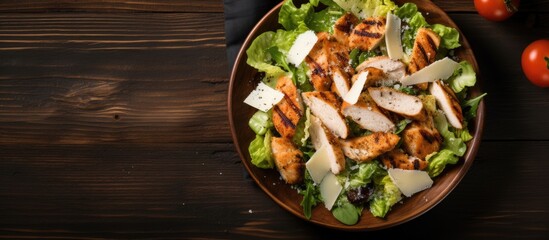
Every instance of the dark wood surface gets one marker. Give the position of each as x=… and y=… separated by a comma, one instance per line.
x=113, y=124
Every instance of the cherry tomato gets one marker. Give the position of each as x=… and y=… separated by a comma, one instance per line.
x=535, y=62
x=496, y=10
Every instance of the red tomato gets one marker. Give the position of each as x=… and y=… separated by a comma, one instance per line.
x=496, y=10
x=535, y=62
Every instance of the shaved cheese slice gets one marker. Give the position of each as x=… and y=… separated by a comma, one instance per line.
x=392, y=37
x=318, y=166
x=352, y=96
x=441, y=69
x=410, y=181
x=301, y=47
x=264, y=97
x=330, y=189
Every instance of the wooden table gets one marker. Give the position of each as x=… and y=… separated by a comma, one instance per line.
x=113, y=124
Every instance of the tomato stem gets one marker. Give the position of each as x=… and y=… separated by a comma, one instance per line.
x=547, y=61
x=510, y=6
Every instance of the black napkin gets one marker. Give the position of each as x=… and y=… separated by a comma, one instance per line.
x=240, y=17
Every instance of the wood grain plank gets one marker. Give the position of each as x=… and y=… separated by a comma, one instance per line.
x=196, y=6
x=199, y=191
x=84, y=78
x=112, y=6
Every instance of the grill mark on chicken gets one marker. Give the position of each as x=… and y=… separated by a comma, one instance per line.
x=347, y=25
x=423, y=54
x=341, y=58
x=365, y=33
x=292, y=105
x=432, y=43
x=317, y=70
x=416, y=164
x=372, y=22
x=284, y=118
x=428, y=136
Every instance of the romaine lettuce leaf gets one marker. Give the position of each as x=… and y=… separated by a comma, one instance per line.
x=267, y=53
x=259, y=57
x=364, y=174
x=385, y=196
x=402, y=125
x=301, y=79
x=367, y=8
x=323, y=21
x=438, y=161
x=260, y=122
x=449, y=36
x=290, y=17
x=302, y=129
x=260, y=151
x=412, y=21
x=451, y=142
x=464, y=76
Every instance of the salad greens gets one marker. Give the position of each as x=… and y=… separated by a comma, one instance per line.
x=268, y=54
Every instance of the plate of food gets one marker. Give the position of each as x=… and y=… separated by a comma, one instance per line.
x=356, y=114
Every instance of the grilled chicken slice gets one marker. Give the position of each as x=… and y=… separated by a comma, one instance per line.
x=398, y=102
x=326, y=105
x=424, y=52
x=399, y=159
x=320, y=136
x=339, y=69
x=376, y=77
x=341, y=81
x=447, y=101
x=393, y=69
x=368, y=34
x=344, y=26
x=420, y=139
x=366, y=148
x=288, y=160
x=288, y=111
x=367, y=114
x=318, y=62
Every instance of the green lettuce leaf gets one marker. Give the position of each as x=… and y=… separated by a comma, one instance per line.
x=311, y=195
x=402, y=125
x=451, y=142
x=470, y=107
x=301, y=79
x=267, y=53
x=260, y=151
x=449, y=36
x=464, y=134
x=347, y=213
x=364, y=174
x=438, y=161
x=260, y=122
x=279, y=58
x=385, y=196
x=290, y=17
x=323, y=21
x=464, y=76
x=302, y=129
x=259, y=57
x=412, y=20
x=367, y=8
